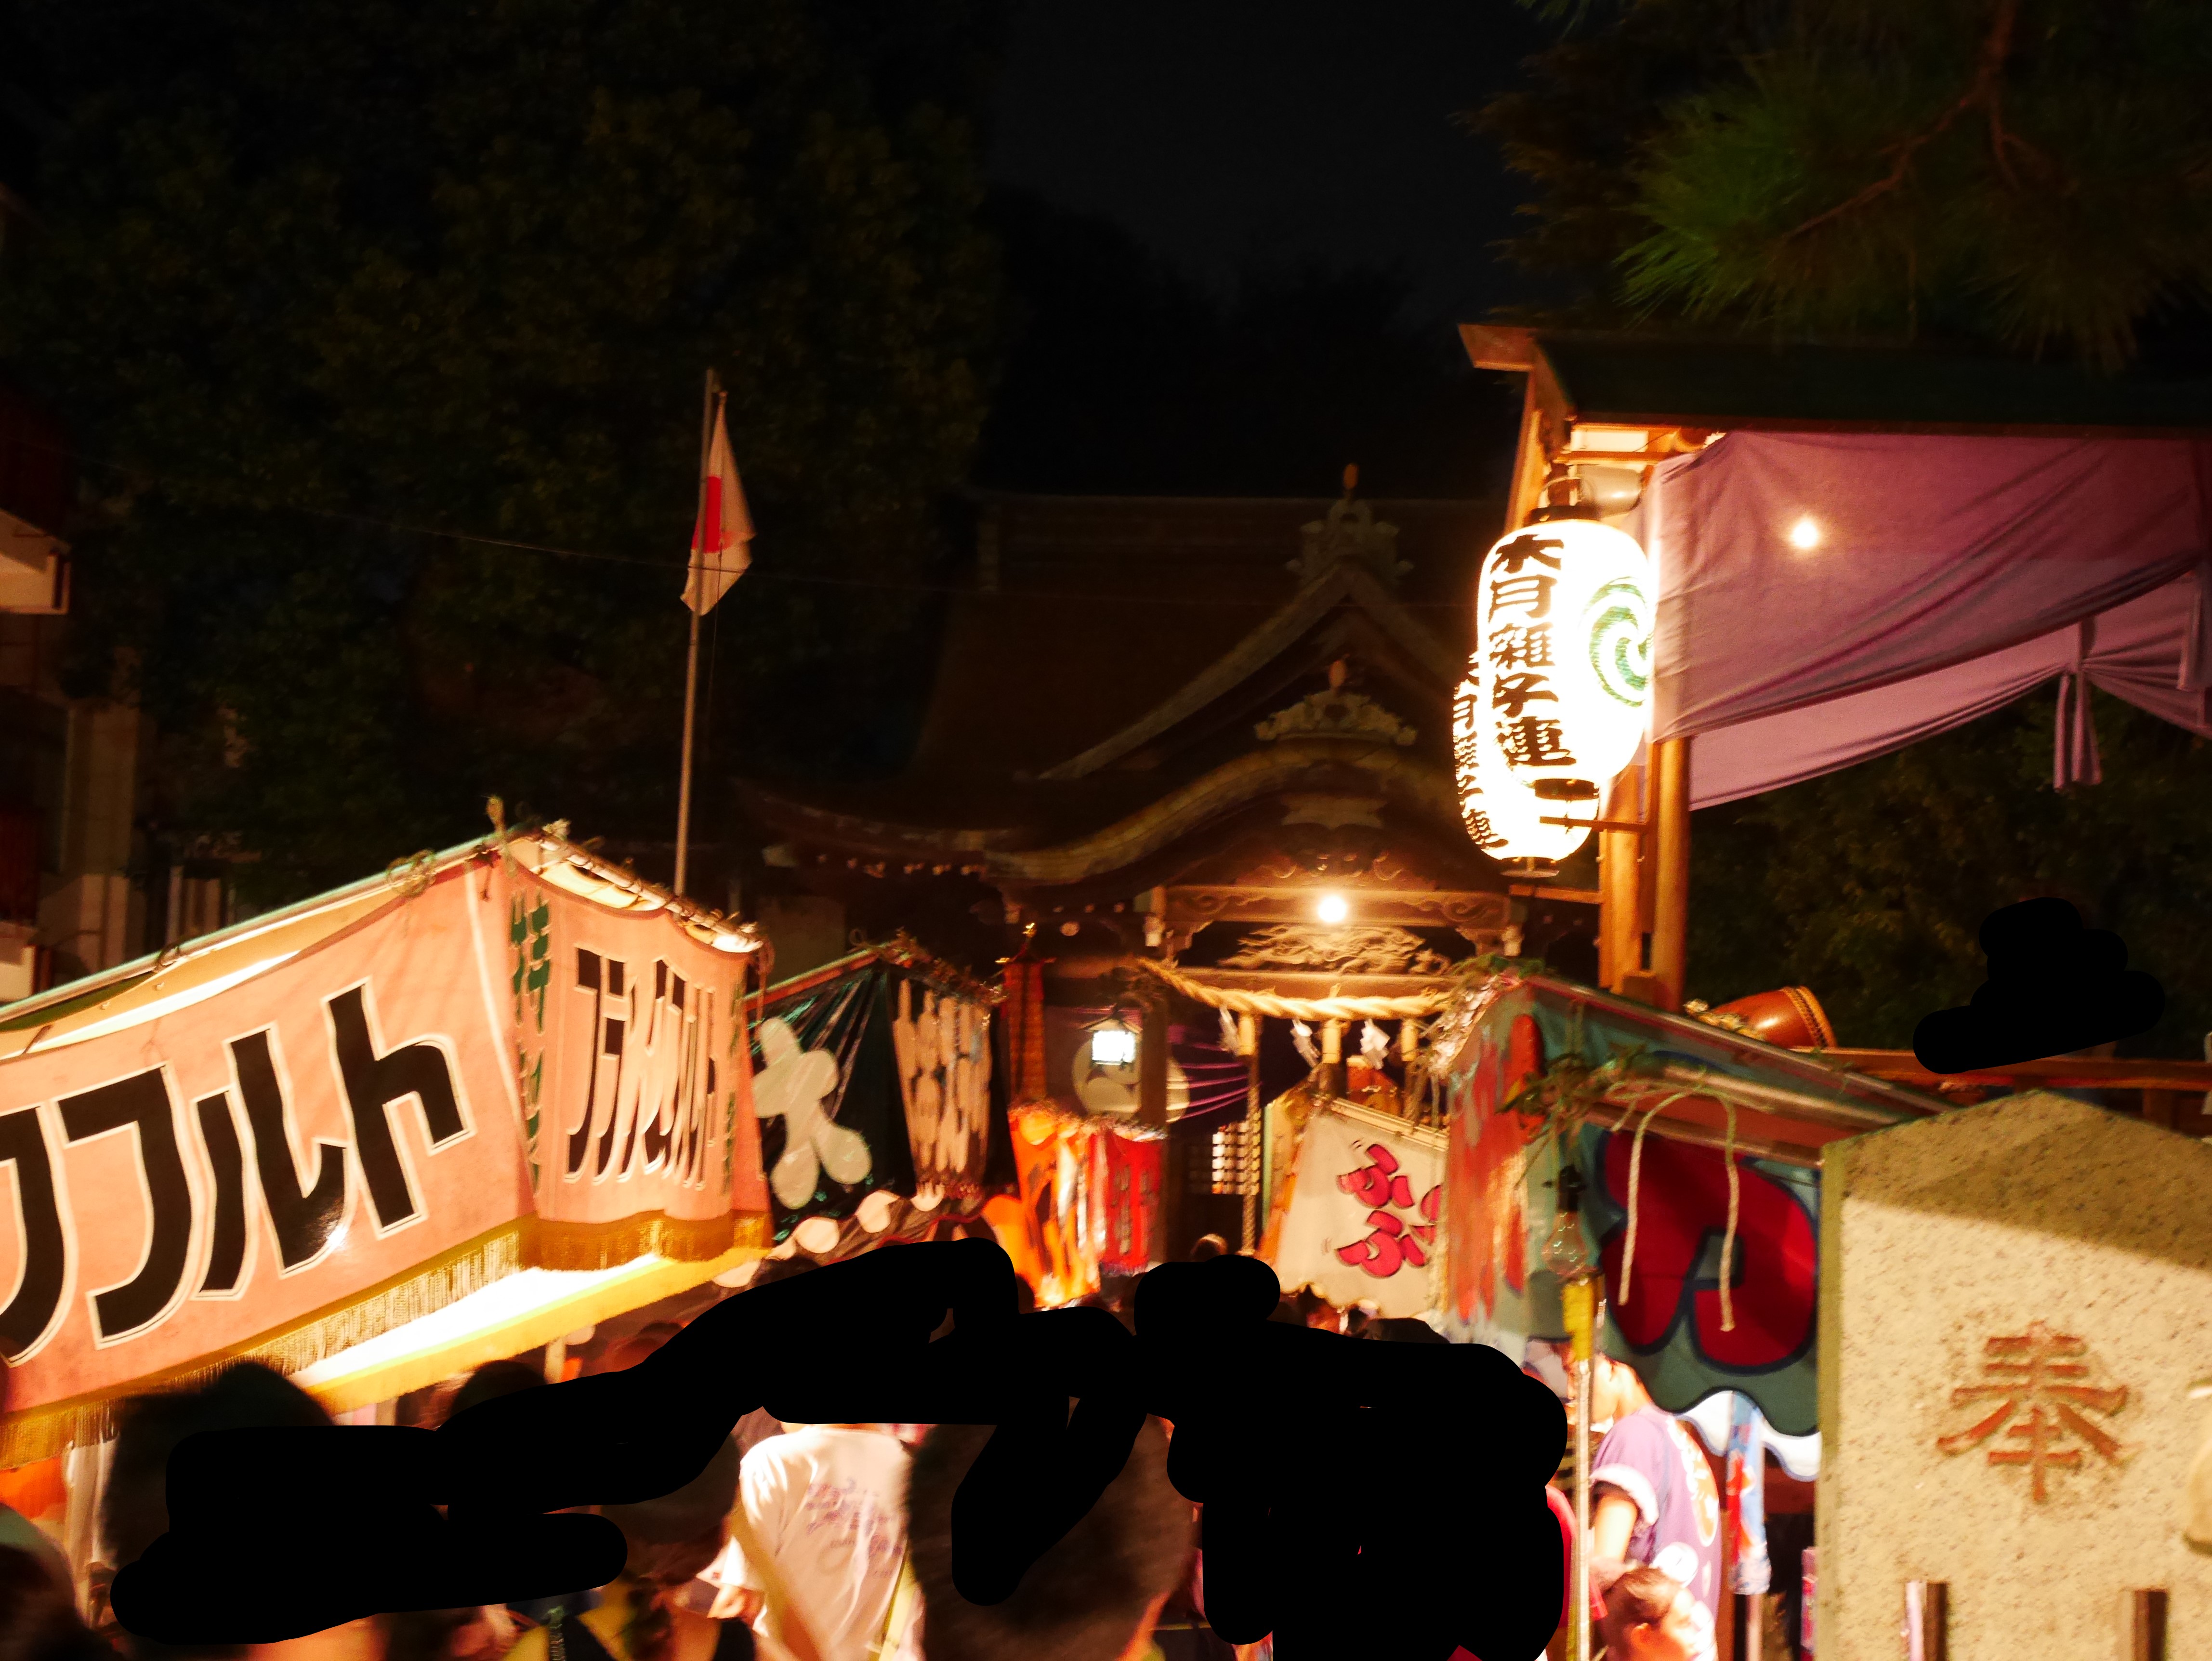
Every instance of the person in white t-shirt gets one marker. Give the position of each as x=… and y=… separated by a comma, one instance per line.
x=827, y=1504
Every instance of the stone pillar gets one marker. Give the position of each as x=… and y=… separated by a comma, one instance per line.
x=2015, y=1304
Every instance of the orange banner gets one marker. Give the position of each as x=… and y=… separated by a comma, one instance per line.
x=637, y=1080
x=308, y=1133
x=1052, y=1155
x=184, y=1180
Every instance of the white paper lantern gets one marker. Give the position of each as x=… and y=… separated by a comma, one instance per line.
x=1504, y=816
x=1556, y=691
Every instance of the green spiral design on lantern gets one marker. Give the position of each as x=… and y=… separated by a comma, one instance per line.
x=1619, y=620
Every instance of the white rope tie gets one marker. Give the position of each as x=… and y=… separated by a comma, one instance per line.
x=1635, y=1175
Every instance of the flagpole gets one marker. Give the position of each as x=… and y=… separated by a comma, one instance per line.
x=691, y=659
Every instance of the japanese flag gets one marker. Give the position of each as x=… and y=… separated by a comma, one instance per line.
x=718, y=551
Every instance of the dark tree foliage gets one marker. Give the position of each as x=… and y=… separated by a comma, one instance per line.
x=1579, y=124
x=1868, y=886
x=1122, y=375
x=316, y=284
x=2036, y=174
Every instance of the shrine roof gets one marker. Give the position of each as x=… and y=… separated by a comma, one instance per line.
x=1106, y=606
x=1671, y=380
x=1110, y=650
x=987, y=812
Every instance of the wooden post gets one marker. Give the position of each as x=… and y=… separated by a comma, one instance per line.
x=2147, y=1625
x=1670, y=817
x=1152, y=1065
x=1927, y=1620
x=1248, y=1167
x=1620, y=952
x=1177, y=1152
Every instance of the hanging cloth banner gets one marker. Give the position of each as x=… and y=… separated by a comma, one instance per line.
x=1126, y=1187
x=1750, y=1570
x=826, y=1089
x=1671, y=1326
x=1090, y=1203
x=1362, y=1220
x=1486, y=1185
x=1055, y=1154
x=942, y=1043
x=286, y=1162
x=1499, y=1206
x=636, y=1079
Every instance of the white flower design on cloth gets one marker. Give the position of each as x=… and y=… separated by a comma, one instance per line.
x=794, y=1084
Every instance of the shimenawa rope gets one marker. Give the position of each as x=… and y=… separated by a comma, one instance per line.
x=1273, y=1006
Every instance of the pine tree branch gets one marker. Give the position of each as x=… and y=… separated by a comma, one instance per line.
x=1985, y=91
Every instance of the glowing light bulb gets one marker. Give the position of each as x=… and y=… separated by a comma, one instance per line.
x=1113, y=1046
x=1332, y=909
x=1566, y=1253
x=1804, y=533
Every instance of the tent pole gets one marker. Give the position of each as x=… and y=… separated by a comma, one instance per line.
x=1670, y=922
x=1579, y=1625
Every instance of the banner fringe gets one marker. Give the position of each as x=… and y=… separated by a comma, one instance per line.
x=42, y=1432
x=591, y=1246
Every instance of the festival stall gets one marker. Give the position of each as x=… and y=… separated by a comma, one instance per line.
x=372, y=1139
x=1696, y=1142
x=1687, y=1136
x=289, y=1138
x=1692, y=1250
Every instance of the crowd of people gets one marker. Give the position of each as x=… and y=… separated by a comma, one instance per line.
x=833, y=1542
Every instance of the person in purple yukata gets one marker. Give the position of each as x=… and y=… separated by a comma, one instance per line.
x=1653, y=1497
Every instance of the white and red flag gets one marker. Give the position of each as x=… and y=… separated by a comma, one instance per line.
x=719, y=550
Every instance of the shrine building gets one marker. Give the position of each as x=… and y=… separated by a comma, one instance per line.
x=1216, y=729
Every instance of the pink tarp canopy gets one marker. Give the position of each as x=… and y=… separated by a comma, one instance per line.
x=1948, y=576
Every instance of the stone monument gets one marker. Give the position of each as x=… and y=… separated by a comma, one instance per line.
x=2015, y=1304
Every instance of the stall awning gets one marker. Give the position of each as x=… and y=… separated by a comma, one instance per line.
x=1707, y=1101
x=1827, y=598
x=520, y=1312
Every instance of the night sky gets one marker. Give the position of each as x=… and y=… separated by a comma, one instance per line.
x=1230, y=137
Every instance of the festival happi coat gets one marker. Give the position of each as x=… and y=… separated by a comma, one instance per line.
x=316, y=1126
